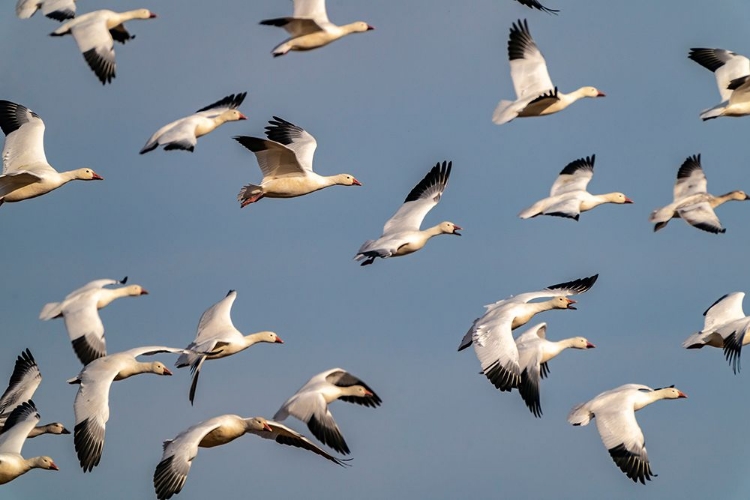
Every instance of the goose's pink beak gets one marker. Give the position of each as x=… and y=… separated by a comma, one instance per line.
x=144, y=291
x=267, y=427
x=278, y=340
x=681, y=394
x=53, y=466
x=368, y=393
x=96, y=177
x=167, y=372
x=628, y=200
x=589, y=345
x=601, y=94
x=152, y=16
x=370, y=28
x=571, y=301
x=355, y=182
x=242, y=117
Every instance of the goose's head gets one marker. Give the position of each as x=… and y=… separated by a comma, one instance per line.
x=86, y=174
x=232, y=115
x=562, y=302
x=346, y=180
x=450, y=228
x=45, y=463
x=581, y=343
x=591, y=92
x=356, y=390
x=158, y=368
x=56, y=428
x=739, y=196
x=360, y=27
x=135, y=290
x=258, y=424
x=619, y=198
x=270, y=337
x=671, y=393
x=143, y=14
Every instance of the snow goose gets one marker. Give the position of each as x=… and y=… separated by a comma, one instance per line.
x=23, y=382
x=171, y=473
x=614, y=411
x=26, y=173
x=534, y=352
x=80, y=308
x=401, y=234
x=725, y=326
x=691, y=201
x=218, y=338
x=310, y=404
x=310, y=28
x=492, y=334
x=95, y=34
x=732, y=77
x=59, y=10
x=183, y=133
x=534, y=4
x=286, y=162
x=92, y=399
x=568, y=197
x=535, y=93
x=19, y=424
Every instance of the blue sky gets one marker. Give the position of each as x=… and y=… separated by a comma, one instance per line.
x=384, y=106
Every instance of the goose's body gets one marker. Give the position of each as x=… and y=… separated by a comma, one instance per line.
x=691, y=201
x=95, y=34
x=568, y=196
x=310, y=404
x=179, y=453
x=732, y=73
x=286, y=162
x=17, y=427
x=535, y=93
x=218, y=338
x=80, y=309
x=59, y=10
x=725, y=327
x=401, y=234
x=310, y=28
x=614, y=411
x=26, y=172
x=92, y=400
x=183, y=133
x=23, y=382
x=492, y=335
x=534, y=352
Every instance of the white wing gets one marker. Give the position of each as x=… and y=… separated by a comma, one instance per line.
x=725, y=64
x=217, y=319
x=22, y=384
x=527, y=66
x=574, y=177
x=171, y=473
x=529, y=347
x=84, y=326
x=274, y=160
x=624, y=440
x=496, y=350
x=24, y=141
x=310, y=407
x=20, y=422
x=295, y=138
x=702, y=216
x=91, y=408
x=311, y=9
x=96, y=284
x=725, y=310
x=425, y=195
x=179, y=134
x=690, y=178
x=95, y=43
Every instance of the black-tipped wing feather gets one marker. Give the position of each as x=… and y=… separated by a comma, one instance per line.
x=103, y=66
x=232, y=101
x=433, y=184
x=582, y=164
x=711, y=59
x=502, y=378
x=576, y=286
x=328, y=433
x=88, y=438
x=733, y=350
x=13, y=116
x=23, y=382
x=520, y=41
x=634, y=465
x=690, y=165
x=345, y=379
x=534, y=4
x=169, y=480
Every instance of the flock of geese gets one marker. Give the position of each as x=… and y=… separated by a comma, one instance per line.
x=285, y=158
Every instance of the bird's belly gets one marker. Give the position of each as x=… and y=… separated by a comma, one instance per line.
x=218, y=437
x=313, y=40
x=289, y=187
x=31, y=191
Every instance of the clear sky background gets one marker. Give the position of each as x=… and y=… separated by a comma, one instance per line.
x=384, y=106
